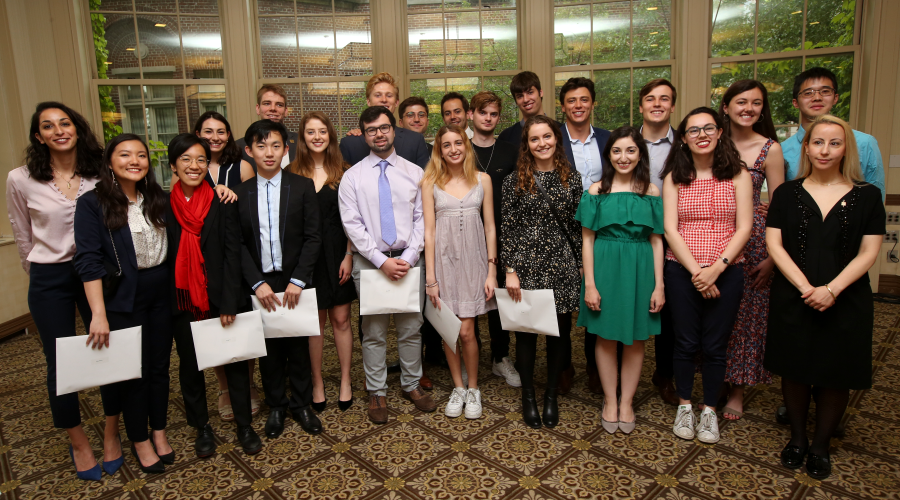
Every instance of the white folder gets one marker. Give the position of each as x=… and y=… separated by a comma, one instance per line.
x=216, y=345
x=444, y=321
x=79, y=367
x=301, y=321
x=536, y=313
x=379, y=295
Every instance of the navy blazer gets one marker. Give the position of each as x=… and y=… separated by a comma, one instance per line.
x=293, y=137
x=93, y=246
x=410, y=146
x=601, y=136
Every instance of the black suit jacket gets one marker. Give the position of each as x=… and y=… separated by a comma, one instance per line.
x=292, y=150
x=600, y=136
x=220, y=244
x=410, y=146
x=298, y=219
x=513, y=134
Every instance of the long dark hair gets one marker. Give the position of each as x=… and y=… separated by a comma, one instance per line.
x=764, y=126
x=525, y=165
x=727, y=161
x=89, y=152
x=334, y=165
x=230, y=153
x=112, y=199
x=640, y=176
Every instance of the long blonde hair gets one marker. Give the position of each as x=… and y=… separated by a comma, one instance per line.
x=436, y=171
x=850, y=167
x=304, y=165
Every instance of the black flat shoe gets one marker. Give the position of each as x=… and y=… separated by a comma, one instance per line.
x=792, y=456
x=551, y=408
x=205, y=444
x=275, y=424
x=345, y=405
x=818, y=466
x=308, y=420
x=530, y=413
x=157, y=468
x=250, y=441
x=319, y=407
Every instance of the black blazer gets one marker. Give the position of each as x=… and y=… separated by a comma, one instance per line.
x=298, y=219
x=220, y=244
x=410, y=146
x=292, y=151
x=93, y=246
x=601, y=136
x=513, y=134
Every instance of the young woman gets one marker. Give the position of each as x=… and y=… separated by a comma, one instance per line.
x=708, y=205
x=319, y=158
x=824, y=231
x=541, y=249
x=747, y=120
x=460, y=253
x=123, y=223
x=622, y=227
x=62, y=163
x=205, y=262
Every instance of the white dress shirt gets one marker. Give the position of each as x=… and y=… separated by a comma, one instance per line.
x=268, y=203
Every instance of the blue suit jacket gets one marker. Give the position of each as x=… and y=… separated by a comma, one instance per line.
x=601, y=136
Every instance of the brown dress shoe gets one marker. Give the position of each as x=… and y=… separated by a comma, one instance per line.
x=425, y=382
x=422, y=400
x=666, y=389
x=594, y=384
x=378, y=413
x=565, y=380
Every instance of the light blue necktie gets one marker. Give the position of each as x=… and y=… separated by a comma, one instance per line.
x=388, y=230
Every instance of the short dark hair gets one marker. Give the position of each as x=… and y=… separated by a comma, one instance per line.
x=657, y=82
x=455, y=95
x=577, y=82
x=372, y=113
x=260, y=131
x=412, y=101
x=524, y=81
x=810, y=74
x=182, y=142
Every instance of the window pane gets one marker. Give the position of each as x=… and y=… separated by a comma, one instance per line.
x=432, y=90
x=110, y=112
x=651, y=30
x=723, y=75
x=500, y=86
x=353, y=102
x=463, y=45
x=641, y=77
x=117, y=5
x=278, y=45
x=202, y=44
x=314, y=7
x=160, y=49
x=354, y=46
x=426, y=43
x=497, y=3
x=119, y=44
x=778, y=77
x=202, y=6
x=316, y=35
x=155, y=6
x=422, y=5
x=320, y=96
x=612, y=31
x=499, y=40
x=572, y=35
x=732, y=27
x=355, y=7
x=558, y=81
x=830, y=23
x=780, y=25
x=203, y=98
x=613, y=101
x=275, y=7
x=294, y=113
x=842, y=66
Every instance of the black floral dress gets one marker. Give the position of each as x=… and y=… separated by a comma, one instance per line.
x=532, y=242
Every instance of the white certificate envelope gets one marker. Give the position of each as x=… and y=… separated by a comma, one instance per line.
x=217, y=345
x=80, y=367
x=379, y=295
x=301, y=321
x=445, y=322
x=536, y=313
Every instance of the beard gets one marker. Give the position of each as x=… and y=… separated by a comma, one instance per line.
x=381, y=149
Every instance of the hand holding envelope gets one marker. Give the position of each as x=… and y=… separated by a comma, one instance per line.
x=301, y=321
x=218, y=345
x=535, y=313
x=79, y=367
x=444, y=321
x=379, y=295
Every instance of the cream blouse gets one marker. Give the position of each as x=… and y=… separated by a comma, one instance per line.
x=150, y=242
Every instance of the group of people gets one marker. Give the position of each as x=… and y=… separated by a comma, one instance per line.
x=649, y=231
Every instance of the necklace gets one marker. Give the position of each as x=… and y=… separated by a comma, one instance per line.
x=485, y=169
x=319, y=168
x=68, y=182
x=810, y=179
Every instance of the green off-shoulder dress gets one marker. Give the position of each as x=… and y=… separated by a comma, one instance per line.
x=623, y=264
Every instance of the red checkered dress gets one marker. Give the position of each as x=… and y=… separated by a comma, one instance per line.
x=706, y=215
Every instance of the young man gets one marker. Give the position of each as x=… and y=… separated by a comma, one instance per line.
x=271, y=104
x=414, y=116
x=382, y=91
x=497, y=159
x=455, y=111
x=815, y=93
x=381, y=208
x=526, y=90
x=279, y=218
x=656, y=100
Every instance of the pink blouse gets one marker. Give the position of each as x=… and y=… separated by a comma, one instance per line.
x=42, y=218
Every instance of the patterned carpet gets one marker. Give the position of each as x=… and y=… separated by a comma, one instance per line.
x=420, y=455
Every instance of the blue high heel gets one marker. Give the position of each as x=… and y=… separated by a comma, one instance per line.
x=113, y=465
x=88, y=475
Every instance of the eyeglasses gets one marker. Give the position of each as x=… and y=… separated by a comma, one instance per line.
x=371, y=131
x=824, y=92
x=708, y=130
x=413, y=114
x=186, y=161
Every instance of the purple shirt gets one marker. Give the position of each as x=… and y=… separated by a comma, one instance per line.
x=361, y=215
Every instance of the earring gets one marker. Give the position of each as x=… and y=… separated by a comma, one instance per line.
x=761, y=116
x=684, y=147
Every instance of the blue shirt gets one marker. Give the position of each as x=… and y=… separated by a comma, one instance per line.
x=268, y=205
x=587, y=159
x=869, y=157
x=658, y=152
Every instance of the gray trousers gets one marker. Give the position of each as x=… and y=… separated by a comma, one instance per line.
x=374, y=342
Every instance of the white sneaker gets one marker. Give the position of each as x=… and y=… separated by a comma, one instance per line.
x=507, y=370
x=456, y=403
x=465, y=374
x=473, y=404
x=708, y=428
x=684, y=422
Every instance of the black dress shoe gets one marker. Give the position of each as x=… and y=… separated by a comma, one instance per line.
x=205, y=444
x=781, y=415
x=250, y=441
x=345, y=405
x=551, y=408
x=156, y=468
x=275, y=424
x=792, y=456
x=319, y=407
x=308, y=420
x=818, y=466
x=530, y=413
x=394, y=367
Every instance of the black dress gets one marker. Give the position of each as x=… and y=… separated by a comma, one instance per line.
x=329, y=291
x=833, y=348
x=229, y=176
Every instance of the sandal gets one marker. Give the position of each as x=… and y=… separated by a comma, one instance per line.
x=225, y=411
x=731, y=411
x=254, y=402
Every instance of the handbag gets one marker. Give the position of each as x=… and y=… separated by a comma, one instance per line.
x=113, y=276
x=556, y=216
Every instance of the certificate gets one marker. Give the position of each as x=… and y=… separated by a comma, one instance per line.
x=79, y=367
x=218, y=345
x=301, y=321
x=536, y=313
x=444, y=321
x=379, y=295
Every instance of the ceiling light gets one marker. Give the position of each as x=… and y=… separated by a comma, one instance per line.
x=797, y=12
x=654, y=32
x=654, y=45
x=160, y=25
x=130, y=48
x=107, y=62
x=652, y=8
x=826, y=62
x=816, y=22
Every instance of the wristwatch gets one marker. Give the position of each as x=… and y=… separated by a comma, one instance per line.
x=509, y=270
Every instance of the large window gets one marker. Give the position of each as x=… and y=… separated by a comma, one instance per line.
x=619, y=44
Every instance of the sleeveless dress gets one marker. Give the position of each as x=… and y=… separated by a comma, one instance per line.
x=460, y=257
x=748, y=339
x=623, y=264
x=329, y=291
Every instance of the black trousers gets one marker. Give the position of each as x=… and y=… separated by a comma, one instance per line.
x=702, y=325
x=526, y=353
x=193, y=381
x=53, y=292
x=145, y=400
x=499, y=336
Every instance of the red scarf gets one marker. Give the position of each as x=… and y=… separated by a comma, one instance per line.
x=190, y=268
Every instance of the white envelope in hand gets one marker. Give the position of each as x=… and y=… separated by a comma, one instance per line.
x=444, y=321
x=217, y=345
x=301, y=321
x=379, y=295
x=536, y=313
x=80, y=367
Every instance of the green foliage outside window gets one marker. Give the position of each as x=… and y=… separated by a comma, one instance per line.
x=107, y=106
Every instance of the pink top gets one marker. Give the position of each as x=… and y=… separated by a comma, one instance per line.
x=706, y=219
x=42, y=218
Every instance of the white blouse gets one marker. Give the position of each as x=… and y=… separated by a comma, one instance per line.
x=150, y=242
